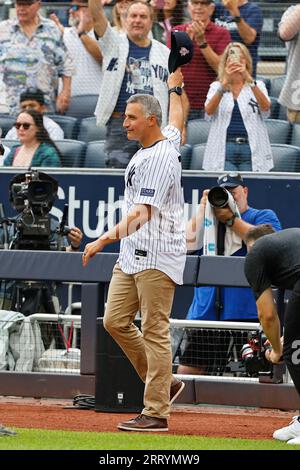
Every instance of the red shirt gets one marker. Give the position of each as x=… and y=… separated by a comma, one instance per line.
x=197, y=74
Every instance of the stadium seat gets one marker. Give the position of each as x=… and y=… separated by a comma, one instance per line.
x=82, y=106
x=197, y=157
x=276, y=85
x=286, y=158
x=266, y=81
x=6, y=123
x=89, y=131
x=197, y=131
x=67, y=123
x=185, y=152
x=279, y=131
x=295, y=140
x=95, y=156
x=72, y=152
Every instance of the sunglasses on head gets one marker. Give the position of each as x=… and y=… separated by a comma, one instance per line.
x=199, y=2
x=25, y=125
x=76, y=7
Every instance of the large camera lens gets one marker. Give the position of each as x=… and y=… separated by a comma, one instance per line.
x=218, y=197
x=40, y=192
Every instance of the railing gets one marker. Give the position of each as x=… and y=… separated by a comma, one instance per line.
x=35, y=265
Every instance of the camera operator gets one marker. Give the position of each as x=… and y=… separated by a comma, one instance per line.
x=32, y=195
x=228, y=303
x=273, y=260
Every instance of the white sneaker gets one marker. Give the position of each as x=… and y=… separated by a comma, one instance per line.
x=289, y=432
x=295, y=441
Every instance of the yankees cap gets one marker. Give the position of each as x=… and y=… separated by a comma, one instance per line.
x=231, y=180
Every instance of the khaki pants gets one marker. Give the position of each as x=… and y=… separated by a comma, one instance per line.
x=150, y=291
x=293, y=115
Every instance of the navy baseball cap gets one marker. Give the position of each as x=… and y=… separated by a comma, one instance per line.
x=182, y=49
x=34, y=94
x=231, y=180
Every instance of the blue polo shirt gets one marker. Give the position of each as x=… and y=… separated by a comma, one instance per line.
x=137, y=77
x=238, y=302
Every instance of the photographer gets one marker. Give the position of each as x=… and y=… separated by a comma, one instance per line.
x=226, y=304
x=273, y=260
x=32, y=195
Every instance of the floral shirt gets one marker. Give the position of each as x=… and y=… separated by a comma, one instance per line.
x=45, y=155
x=32, y=62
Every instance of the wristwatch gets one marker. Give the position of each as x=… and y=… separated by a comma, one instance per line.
x=230, y=221
x=221, y=90
x=175, y=89
x=203, y=45
x=82, y=33
x=237, y=19
x=253, y=84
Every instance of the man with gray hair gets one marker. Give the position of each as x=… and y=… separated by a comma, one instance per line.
x=152, y=253
x=32, y=54
x=132, y=63
x=289, y=28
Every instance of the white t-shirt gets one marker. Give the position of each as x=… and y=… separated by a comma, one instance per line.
x=153, y=177
x=88, y=75
x=3, y=157
x=54, y=130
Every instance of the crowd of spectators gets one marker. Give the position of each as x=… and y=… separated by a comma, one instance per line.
x=110, y=50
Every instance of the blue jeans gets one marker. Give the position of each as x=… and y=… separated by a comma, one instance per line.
x=238, y=157
x=118, y=148
x=196, y=114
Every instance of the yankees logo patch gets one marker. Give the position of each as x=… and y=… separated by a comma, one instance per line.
x=131, y=172
x=183, y=51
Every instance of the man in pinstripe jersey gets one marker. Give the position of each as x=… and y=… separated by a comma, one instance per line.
x=152, y=253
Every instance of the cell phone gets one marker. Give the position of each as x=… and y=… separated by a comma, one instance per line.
x=235, y=54
x=160, y=4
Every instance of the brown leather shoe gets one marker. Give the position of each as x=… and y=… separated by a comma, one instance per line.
x=144, y=423
x=176, y=388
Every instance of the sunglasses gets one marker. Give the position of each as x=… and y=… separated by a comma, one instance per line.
x=25, y=125
x=199, y=2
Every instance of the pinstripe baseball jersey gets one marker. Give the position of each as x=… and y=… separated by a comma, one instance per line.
x=153, y=177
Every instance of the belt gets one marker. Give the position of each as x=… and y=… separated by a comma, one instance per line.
x=117, y=114
x=238, y=140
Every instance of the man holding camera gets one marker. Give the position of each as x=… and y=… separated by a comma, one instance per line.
x=21, y=233
x=273, y=260
x=230, y=303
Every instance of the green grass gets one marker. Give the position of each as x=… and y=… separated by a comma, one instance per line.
x=35, y=439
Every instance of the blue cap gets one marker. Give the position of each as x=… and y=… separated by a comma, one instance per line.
x=231, y=180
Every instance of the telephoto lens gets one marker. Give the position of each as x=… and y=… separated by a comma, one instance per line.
x=218, y=197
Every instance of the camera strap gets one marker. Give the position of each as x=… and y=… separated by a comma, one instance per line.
x=221, y=230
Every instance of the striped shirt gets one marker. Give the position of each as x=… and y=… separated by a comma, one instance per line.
x=153, y=177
